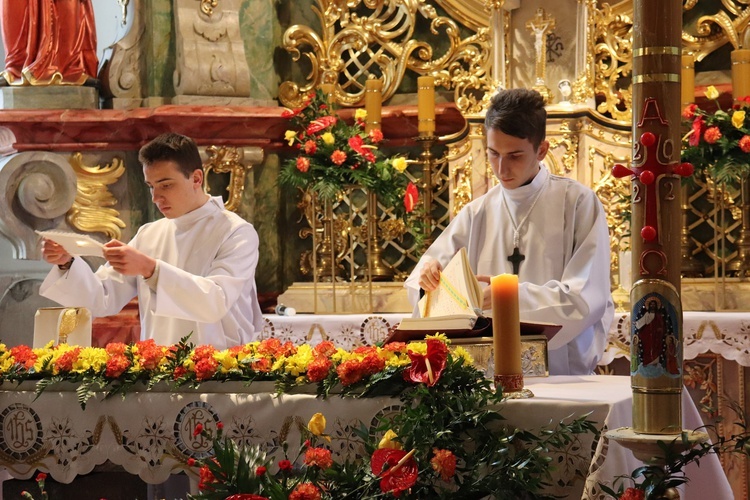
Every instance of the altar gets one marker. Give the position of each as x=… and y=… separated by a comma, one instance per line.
x=150, y=434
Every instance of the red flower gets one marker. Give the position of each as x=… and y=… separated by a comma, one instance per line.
x=745, y=143
x=356, y=144
x=320, y=457
x=260, y=471
x=285, y=465
x=305, y=491
x=198, y=430
x=338, y=157
x=41, y=477
x=396, y=468
x=633, y=494
x=245, y=496
x=303, y=164
x=376, y=135
x=444, y=463
x=310, y=148
x=427, y=368
x=712, y=134
x=219, y=426
x=320, y=124
x=191, y=462
x=206, y=478
x=698, y=126
x=410, y=197
x=689, y=112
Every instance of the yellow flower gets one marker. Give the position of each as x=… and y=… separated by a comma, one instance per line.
x=226, y=361
x=711, y=92
x=738, y=119
x=399, y=164
x=360, y=114
x=317, y=424
x=460, y=352
x=389, y=441
x=328, y=138
x=91, y=358
x=289, y=136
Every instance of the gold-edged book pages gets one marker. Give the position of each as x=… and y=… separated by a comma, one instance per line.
x=458, y=293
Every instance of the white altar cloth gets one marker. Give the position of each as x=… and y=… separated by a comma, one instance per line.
x=150, y=433
x=723, y=333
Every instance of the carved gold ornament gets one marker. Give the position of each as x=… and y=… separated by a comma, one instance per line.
x=227, y=160
x=711, y=32
x=208, y=6
x=360, y=38
x=92, y=210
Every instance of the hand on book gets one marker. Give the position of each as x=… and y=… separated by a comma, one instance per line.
x=487, y=292
x=429, y=277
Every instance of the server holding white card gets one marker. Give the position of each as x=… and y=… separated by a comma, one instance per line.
x=193, y=271
x=549, y=230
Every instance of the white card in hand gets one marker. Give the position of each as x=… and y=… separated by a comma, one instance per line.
x=77, y=245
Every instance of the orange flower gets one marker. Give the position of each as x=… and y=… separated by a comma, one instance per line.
x=318, y=369
x=745, y=143
x=319, y=457
x=23, y=355
x=376, y=135
x=633, y=494
x=303, y=164
x=444, y=463
x=338, y=157
x=116, y=365
x=689, y=112
x=305, y=491
x=712, y=135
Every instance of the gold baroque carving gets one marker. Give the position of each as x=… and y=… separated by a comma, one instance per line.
x=227, y=160
x=208, y=6
x=613, y=59
x=352, y=46
x=713, y=31
x=92, y=210
x=569, y=141
x=583, y=87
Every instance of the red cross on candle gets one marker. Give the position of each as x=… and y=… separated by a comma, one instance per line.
x=650, y=169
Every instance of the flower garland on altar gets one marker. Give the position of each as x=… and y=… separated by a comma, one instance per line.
x=718, y=143
x=447, y=441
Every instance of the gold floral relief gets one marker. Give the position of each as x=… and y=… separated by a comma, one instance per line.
x=613, y=61
x=710, y=32
x=360, y=38
x=92, y=210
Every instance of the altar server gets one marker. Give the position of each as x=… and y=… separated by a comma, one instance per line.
x=549, y=230
x=192, y=271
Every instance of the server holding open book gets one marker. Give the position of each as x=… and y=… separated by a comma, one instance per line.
x=549, y=230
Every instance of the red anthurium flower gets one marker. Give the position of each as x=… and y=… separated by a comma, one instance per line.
x=698, y=126
x=356, y=144
x=396, y=469
x=320, y=124
x=633, y=494
x=426, y=369
x=410, y=197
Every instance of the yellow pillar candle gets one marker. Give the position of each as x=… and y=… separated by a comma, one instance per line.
x=426, y=105
x=327, y=89
x=740, y=73
x=373, y=103
x=506, y=324
x=687, y=88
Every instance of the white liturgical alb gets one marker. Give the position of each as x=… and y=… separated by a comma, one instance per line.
x=565, y=277
x=206, y=284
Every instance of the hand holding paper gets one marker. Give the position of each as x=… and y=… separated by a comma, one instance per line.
x=74, y=244
x=127, y=260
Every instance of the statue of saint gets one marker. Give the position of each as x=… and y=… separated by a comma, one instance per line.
x=48, y=42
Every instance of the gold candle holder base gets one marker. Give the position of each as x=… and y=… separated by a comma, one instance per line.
x=649, y=448
x=512, y=386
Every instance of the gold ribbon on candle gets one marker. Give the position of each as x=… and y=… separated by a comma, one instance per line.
x=426, y=105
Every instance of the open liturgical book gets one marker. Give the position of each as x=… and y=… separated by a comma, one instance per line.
x=455, y=308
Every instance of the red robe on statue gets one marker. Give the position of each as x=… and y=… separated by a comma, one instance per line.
x=48, y=42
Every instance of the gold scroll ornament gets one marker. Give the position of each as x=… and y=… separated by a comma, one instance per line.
x=68, y=323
